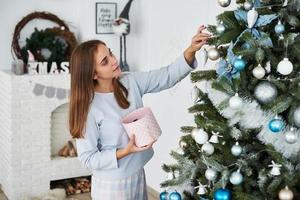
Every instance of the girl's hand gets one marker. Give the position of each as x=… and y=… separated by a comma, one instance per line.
x=131, y=147
x=198, y=41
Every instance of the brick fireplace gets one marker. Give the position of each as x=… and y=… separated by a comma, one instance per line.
x=33, y=127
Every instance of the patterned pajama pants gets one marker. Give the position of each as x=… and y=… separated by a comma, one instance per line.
x=131, y=188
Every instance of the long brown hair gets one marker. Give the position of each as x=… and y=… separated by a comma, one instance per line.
x=82, y=69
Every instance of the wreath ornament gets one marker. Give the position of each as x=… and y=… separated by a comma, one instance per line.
x=50, y=45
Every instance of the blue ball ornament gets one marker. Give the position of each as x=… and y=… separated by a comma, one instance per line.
x=279, y=28
x=239, y=64
x=163, y=195
x=175, y=196
x=222, y=194
x=276, y=125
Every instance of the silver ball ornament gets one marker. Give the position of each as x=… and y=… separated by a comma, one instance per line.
x=265, y=92
x=208, y=148
x=199, y=135
x=259, y=72
x=213, y=54
x=248, y=5
x=285, y=67
x=236, y=149
x=236, y=178
x=220, y=28
x=224, y=3
x=296, y=116
x=286, y=194
x=291, y=136
x=210, y=174
x=235, y=102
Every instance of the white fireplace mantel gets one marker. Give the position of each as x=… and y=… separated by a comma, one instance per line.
x=26, y=164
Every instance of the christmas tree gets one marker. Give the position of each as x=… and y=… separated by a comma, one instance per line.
x=245, y=143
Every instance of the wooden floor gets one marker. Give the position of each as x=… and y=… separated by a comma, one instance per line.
x=152, y=195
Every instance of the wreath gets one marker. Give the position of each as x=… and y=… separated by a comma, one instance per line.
x=50, y=45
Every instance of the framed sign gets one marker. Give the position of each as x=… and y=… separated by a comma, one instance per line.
x=106, y=12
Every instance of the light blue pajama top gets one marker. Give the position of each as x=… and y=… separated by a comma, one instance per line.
x=104, y=131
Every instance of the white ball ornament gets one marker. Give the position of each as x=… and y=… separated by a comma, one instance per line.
x=265, y=92
x=291, y=136
x=235, y=102
x=208, y=148
x=236, y=149
x=259, y=72
x=236, y=178
x=213, y=54
x=199, y=135
x=296, y=116
x=220, y=28
x=210, y=174
x=248, y=5
x=224, y=3
x=286, y=194
x=285, y=67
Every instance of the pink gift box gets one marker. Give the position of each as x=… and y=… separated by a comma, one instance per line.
x=143, y=125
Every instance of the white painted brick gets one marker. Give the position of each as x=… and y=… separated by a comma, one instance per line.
x=25, y=140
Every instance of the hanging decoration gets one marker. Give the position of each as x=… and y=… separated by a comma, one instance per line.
x=275, y=171
x=285, y=67
x=265, y=92
x=121, y=27
x=50, y=92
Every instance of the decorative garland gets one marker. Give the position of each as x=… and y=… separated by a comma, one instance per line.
x=60, y=32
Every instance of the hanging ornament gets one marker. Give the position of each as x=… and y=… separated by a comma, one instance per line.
x=275, y=171
x=222, y=194
x=175, y=196
x=268, y=67
x=195, y=94
x=213, y=53
x=236, y=149
x=208, y=148
x=170, y=176
x=239, y=64
x=182, y=144
x=296, y=116
x=210, y=174
x=220, y=28
x=201, y=189
x=224, y=3
x=276, y=125
x=215, y=137
x=163, y=195
x=291, y=136
x=281, y=37
x=236, y=178
x=235, y=102
x=180, y=151
x=248, y=5
x=265, y=92
x=205, y=56
x=252, y=17
x=286, y=194
x=199, y=135
x=259, y=72
x=285, y=67
x=279, y=28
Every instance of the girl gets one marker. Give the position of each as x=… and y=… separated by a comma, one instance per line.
x=100, y=96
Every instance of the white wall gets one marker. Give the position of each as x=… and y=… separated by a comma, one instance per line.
x=160, y=31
